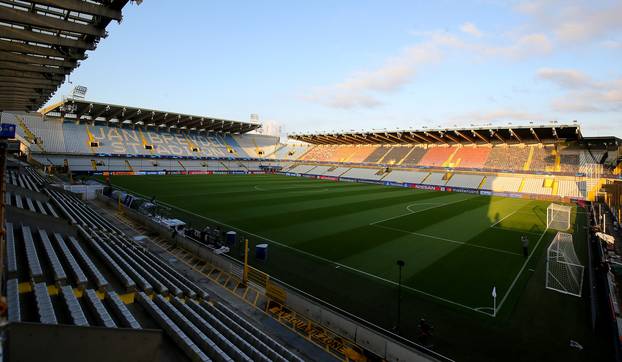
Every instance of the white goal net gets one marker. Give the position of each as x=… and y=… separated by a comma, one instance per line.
x=558, y=217
x=564, y=272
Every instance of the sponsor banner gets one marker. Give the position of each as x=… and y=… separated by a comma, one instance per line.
x=330, y=178
x=347, y=179
x=199, y=172
x=508, y=194
x=424, y=187
x=308, y=176
x=485, y=192
x=462, y=190
x=395, y=184
x=375, y=182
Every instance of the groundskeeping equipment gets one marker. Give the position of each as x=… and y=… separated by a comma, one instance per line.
x=564, y=272
x=558, y=217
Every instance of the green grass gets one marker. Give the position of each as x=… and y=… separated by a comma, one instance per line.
x=340, y=242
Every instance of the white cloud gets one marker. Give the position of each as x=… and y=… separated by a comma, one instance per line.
x=500, y=115
x=611, y=44
x=574, y=21
x=567, y=78
x=360, y=89
x=583, y=94
x=471, y=29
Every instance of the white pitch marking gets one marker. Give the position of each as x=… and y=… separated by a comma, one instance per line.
x=498, y=222
x=324, y=259
x=448, y=240
x=418, y=211
x=521, y=270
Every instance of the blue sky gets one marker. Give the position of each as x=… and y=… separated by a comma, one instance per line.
x=342, y=65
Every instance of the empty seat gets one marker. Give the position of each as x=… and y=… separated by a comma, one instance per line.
x=59, y=273
x=192, y=331
x=120, y=272
x=34, y=266
x=220, y=339
x=100, y=281
x=233, y=337
x=77, y=273
x=120, y=309
x=12, y=298
x=44, y=304
x=11, y=252
x=73, y=306
x=253, y=333
x=98, y=309
x=183, y=341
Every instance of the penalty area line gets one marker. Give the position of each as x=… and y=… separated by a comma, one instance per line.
x=337, y=264
x=521, y=270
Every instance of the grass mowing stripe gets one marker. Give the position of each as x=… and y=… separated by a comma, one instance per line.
x=418, y=211
x=445, y=239
x=521, y=270
x=323, y=259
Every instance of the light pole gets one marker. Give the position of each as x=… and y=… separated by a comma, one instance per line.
x=400, y=264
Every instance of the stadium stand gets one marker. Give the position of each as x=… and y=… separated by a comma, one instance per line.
x=79, y=267
x=361, y=153
x=471, y=157
x=437, y=156
x=507, y=158
x=465, y=180
x=435, y=179
x=536, y=185
x=414, y=157
x=395, y=155
x=377, y=154
x=406, y=176
x=364, y=173
x=290, y=152
x=502, y=183
x=543, y=158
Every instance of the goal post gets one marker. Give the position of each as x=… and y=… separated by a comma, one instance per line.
x=558, y=217
x=564, y=272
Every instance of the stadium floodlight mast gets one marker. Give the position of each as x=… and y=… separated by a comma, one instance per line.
x=400, y=264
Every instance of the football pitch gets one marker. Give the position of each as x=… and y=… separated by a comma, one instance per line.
x=456, y=247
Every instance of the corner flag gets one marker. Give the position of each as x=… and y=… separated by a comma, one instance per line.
x=494, y=292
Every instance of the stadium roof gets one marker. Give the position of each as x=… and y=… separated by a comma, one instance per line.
x=84, y=110
x=477, y=135
x=42, y=41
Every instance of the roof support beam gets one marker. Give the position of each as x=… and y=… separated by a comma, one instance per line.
x=32, y=75
x=435, y=137
x=27, y=35
x=496, y=134
x=13, y=46
x=535, y=135
x=12, y=57
x=448, y=135
x=477, y=134
x=48, y=22
x=33, y=68
x=515, y=135
x=17, y=83
x=41, y=82
x=83, y=7
x=469, y=139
